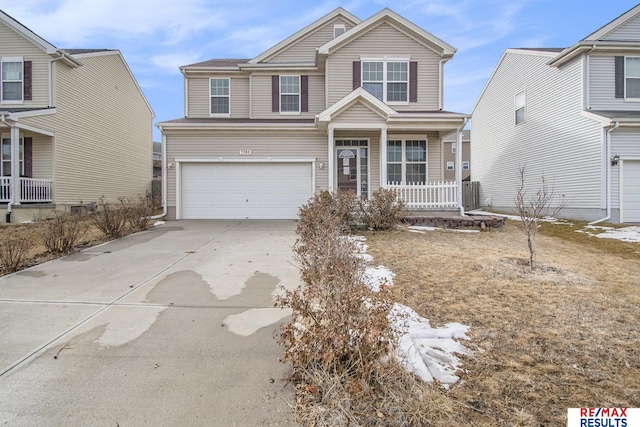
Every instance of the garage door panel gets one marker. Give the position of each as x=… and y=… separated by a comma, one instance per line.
x=244, y=190
x=631, y=191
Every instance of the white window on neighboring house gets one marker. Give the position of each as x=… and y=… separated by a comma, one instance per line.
x=220, y=96
x=406, y=161
x=632, y=77
x=450, y=166
x=520, y=101
x=289, y=94
x=453, y=147
x=6, y=157
x=338, y=29
x=465, y=165
x=387, y=80
x=12, y=80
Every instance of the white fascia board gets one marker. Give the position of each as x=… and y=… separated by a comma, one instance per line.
x=33, y=113
x=447, y=49
x=34, y=129
x=306, y=30
x=606, y=121
x=306, y=66
x=356, y=95
x=236, y=126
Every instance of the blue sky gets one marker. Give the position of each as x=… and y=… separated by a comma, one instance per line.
x=157, y=36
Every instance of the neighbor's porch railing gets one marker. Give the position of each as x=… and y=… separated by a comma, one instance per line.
x=428, y=195
x=32, y=190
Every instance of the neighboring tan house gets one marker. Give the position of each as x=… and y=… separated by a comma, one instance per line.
x=74, y=124
x=571, y=115
x=341, y=104
x=449, y=147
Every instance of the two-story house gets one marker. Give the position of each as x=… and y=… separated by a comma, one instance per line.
x=340, y=104
x=75, y=126
x=571, y=115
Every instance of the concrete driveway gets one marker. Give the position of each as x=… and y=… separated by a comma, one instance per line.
x=171, y=326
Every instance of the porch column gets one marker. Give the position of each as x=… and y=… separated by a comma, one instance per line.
x=331, y=159
x=15, y=165
x=458, y=167
x=383, y=157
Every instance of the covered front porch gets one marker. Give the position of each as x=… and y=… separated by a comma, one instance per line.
x=371, y=146
x=26, y=157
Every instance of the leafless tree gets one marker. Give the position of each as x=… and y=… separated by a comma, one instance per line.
x=532, y=208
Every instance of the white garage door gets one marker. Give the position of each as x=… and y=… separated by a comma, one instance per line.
x=244, y=190
x=631, y=191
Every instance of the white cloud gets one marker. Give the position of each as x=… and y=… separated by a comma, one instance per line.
x=170, y=62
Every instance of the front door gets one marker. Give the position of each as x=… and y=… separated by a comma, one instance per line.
x=352, y=169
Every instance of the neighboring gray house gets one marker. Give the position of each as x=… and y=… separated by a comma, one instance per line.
x=449, y=148
x=75, y=125
x=341, y=104
x=571, y=115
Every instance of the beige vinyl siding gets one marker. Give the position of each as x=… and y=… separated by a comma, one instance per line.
x=103, y=132
x=264, y=145
x=304, y=50
x=385, y=40
x=199, y=96
x=626, y=144
x=555, y=140
x=13, y=44
x=42, y=156
x=261, y=96
x=358, y=113
x=448, y=156
x=602, y=87
x=629, y=31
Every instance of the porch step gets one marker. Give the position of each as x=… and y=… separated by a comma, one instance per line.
x=456, y=221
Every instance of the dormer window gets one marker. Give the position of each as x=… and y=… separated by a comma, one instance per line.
x=338, y=29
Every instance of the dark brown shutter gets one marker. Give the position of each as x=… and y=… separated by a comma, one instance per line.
x=304, y=94
x=619, y=76
x=28, y=65
x=357, y=67
x=275, y=94
x=28, y=157
x=413, y=82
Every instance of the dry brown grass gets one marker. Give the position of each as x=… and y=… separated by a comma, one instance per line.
x=565, y=335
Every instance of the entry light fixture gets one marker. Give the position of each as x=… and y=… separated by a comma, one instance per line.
x=614, y=160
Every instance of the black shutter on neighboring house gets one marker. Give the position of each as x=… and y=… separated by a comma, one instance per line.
x=619, y=76
x=357, y=82
x=28, y=157
x=275, y=94
x=27, y=80
x=413, y=82
x=304, y=94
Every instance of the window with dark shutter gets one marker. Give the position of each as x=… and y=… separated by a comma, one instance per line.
x=413, y=82
x=28, y=66
x=304, y=94
x=619, y=76
x=356, y=75
x=275, y=94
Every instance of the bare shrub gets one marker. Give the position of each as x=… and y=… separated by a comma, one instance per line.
x=383, y=211
x=138, y=212
x=532, y=208
x=111, y=218
x=62, y=232
x=327, y=212
x=14, y=250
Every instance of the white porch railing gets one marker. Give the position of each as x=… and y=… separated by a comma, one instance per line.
x=32, y=190
x=428, y=195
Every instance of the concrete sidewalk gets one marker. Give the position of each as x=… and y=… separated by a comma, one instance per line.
x=172, y=326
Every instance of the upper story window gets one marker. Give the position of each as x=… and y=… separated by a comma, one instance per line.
x=289, y=94
x=632, y=77
x=220, y=96
x=338, y=29
x=387, y=80
x=520, y=101
x=12, y=80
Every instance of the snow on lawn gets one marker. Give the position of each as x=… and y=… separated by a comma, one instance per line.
x=423, y=228
x=431, y=353
x=626, y=234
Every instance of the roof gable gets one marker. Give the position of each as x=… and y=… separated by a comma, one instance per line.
x=605, y=32
x=27, y=33
x=303, y=33
x=360, y=95
x=401, y=24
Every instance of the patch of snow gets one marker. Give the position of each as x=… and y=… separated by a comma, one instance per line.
x=625, y=234
x=517, y=217
x=422, y=228
x=377, y=276
x=157, y=223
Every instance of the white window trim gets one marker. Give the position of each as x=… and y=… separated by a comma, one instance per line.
x=339, y=27
x=465, y=165
x=517, y=105
x=403, y=162
x=384, y=61
x=625, y=81
x=11, y=59
x=453, y=147
x=219, y=96
x=7, y=137
x=451, y=166
x=290, y=113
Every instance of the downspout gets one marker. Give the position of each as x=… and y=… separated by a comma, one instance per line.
x=51, y=61
x=8, y=219
x=459, y=165
x=587, y=84
x=164, y=179
x=441, y=83
x=607, y=162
